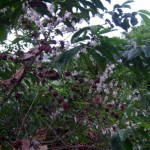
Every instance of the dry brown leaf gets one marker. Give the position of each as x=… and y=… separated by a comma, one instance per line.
x=32, y=53
x=8, y=83
x=50, y=74
x=40, y=134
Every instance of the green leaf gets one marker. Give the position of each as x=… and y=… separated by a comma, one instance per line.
x=100, y=61
x=116, y=142
x=108, y=1
x=3, y=33
x=78, y=33
x=99, y=4
x=145, y=19
x=127, y=145
x=17, y=13
x=146, y=12
x=127, y=2
x=16, y=40
x=79, y=39
x=123, y=133
x=146, y=50
x=133, y=53
x=126, y=6
x=145, y=125
x=88, y=62
x=107, y=53
x=4, y=147
x=68, y=55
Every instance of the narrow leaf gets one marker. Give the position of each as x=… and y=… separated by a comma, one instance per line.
x=3, y=33
x=99, y=4
x=145, y=19
x=116, y=143
x=78, y=33
x=127, y=2
x=123, y=133
x=68, y=55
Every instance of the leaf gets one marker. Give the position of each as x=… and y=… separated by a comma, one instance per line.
x=98, y=3
x=50, y=74
x=3, y=33
x=146, y=12
x=145, y=125
x=78, y=33
x=108, y=1
x=127, y=2
x=126, y=6
x=123, y=133
x=107, y=53
x=79, y=39
x=17, y=13
x=16, y=40
x=30, y=54
x=17, y=77
x=127, y=145
x=133, y=53
x=145, y=19
x=4, y=147
x=116, y=143
x=146, y=50
x=88, y=62
x=100, y=61
x=133, y=21
x=65, y=57
x=40, y=134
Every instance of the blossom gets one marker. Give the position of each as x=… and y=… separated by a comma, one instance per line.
x=67, y=15
x=50, y=8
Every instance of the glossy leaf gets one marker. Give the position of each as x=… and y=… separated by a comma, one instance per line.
x=116, y=142
x=123, y=133
x=99, y=4
x=65, y=57
x=146, y=50
x=127, y=145
x=145, y=19
x=75, y=37
x=3, y=33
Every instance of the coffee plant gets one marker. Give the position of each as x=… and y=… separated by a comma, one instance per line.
x=65, y=86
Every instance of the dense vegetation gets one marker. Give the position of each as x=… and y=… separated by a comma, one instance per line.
x=67, y=87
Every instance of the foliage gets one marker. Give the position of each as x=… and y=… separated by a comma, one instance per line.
x=89, y=92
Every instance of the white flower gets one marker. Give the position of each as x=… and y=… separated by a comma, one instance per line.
x=75, y=119
x=67, y=15
x=103, y=131
x=49, y=26
x=84, y=50
x=99, y=89
x=119, y=61
x=112, y=102
x=50, y=8
x=67, y=45
x=59, y=19
x=102, y=79
x=106, y=98
x=81, y=21
x=129, y=97
x=106, y=91
x=127, y=123
x=115, y=93
x=73, y=23
x=94, y=43
x=111, y=85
